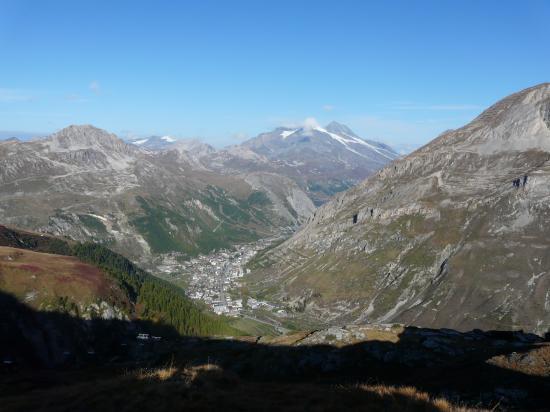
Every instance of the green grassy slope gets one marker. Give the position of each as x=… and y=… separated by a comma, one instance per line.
x=148, y=298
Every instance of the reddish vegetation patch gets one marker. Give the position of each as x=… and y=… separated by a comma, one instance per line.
x=139, y=309
x=56, y=276
x=92, y=275
x=83, y=273
x=88, y=272
x=31, y=268
x=64, y=279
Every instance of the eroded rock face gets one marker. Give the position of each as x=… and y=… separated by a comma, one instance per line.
x=453, y=235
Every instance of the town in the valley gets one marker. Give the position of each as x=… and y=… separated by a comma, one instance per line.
x=215, y=279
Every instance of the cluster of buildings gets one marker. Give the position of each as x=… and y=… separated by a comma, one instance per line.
x=215, y=279
x=211, y=277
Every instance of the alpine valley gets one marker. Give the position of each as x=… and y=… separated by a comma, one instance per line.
x=304, y=269
x=274, y=206
x=160, y=195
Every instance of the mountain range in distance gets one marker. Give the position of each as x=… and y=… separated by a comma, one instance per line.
x=323, y=161
x=162, y=195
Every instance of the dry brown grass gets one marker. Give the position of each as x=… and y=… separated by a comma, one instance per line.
x=209, y=387
x=385, y=335
x=536, y=362
x=161, y=374
x=411, y=396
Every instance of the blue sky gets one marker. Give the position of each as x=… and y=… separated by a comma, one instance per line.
x=397, y=71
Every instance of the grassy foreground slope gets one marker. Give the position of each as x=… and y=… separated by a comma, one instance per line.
x=88, y=281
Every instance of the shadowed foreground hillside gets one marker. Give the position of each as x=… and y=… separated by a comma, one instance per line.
x=208, y=387
x=70, y=314
x=376, y=368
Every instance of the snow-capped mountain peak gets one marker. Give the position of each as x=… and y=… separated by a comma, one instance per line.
x=339, y=133
x=327, y=159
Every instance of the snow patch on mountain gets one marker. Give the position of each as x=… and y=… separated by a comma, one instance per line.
x=287, y=133
x=349, y=139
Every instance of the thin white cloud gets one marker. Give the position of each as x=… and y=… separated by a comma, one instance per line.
x=75, y=98
x=328, y=107
x=95, y=87
x=307, y=123
x=310, y=123
x=454, y=107
x=14, y=95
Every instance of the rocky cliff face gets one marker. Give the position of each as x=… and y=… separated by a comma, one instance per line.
x=453, y=235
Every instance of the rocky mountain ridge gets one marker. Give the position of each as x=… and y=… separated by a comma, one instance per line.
x=452, y=235
x=321, y=161
x=86, y=183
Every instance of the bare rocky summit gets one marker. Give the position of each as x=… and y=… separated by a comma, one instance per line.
x=453, y=235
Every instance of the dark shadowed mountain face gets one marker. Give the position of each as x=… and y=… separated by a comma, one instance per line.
x=453, y=235
x=379, y=367
x=85, y=183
